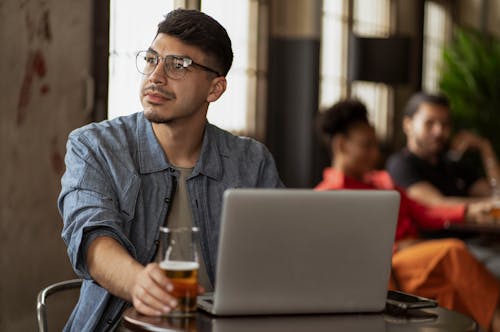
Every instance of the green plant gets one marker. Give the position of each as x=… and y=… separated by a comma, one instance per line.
x=470, y=78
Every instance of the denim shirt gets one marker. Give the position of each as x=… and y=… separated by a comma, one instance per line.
x=119, y=183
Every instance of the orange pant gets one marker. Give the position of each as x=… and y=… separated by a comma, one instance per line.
x=445, y=270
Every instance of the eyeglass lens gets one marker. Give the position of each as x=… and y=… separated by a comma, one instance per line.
x=146, y=63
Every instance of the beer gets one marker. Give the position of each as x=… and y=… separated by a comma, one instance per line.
x=495, y=211
x=184, y=277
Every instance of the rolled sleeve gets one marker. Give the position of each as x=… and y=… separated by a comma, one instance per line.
x=87, y=205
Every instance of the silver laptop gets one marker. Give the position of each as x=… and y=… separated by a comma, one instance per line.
x=298, y=251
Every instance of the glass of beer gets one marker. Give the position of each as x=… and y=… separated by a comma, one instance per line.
x=495, y=210
x=495, y=197
x=178, y=257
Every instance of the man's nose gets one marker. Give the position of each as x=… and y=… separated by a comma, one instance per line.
x=158, y=75
x=438, y=128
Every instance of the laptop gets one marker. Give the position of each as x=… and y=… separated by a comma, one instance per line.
x=299, y=251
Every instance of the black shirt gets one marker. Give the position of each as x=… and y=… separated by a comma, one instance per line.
x=451, y=178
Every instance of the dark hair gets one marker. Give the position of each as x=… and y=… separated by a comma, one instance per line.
x=200, y=30
x=422, y=97
x=340, y=118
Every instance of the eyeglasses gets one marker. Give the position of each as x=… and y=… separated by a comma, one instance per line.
x=175, y=66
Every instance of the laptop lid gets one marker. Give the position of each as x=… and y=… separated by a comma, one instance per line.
x=289, y=251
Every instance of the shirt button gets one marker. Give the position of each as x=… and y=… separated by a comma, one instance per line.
x=167, y=200
x=171, y=170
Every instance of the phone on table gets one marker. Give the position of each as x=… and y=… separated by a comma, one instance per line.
x=405, y=301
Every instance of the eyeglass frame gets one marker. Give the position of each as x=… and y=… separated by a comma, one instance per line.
x=186, y=63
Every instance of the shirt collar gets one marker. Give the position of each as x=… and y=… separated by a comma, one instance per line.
x=334, y=179
x=151, y=156
x=153, y=159
x=209, y=163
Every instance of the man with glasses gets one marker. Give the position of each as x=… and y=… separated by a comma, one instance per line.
x=164, y=166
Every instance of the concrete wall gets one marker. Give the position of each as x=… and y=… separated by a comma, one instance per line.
x=45, y=55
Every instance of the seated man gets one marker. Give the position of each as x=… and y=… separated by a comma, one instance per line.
x=164, y=166
x=441, y=269
x=430, y=169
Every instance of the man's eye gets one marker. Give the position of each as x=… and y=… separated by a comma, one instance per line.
x=150, y=60
x=178, y=64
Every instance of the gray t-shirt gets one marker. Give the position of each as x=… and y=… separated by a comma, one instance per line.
x=181, y=215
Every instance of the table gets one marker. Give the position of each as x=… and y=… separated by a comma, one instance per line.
x=435, y=319
x=483, y=229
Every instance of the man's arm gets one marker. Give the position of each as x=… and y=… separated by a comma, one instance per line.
x=113, y=268
x=428, y=194
x=96, y=234
x=451, y=210
x=466, y=140
x=480, y=189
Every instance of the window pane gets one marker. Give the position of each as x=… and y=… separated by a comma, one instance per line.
x=376, y=98
x=435, y=34
x=125, y=40
x=230, y=111
x=333, y=52
x=372, y=18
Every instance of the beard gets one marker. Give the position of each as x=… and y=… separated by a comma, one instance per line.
x=433, y=147
x=154, y=116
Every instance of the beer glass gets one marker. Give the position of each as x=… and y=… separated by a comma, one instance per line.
x=179, y=261
x=495, y=197
x=495, y=211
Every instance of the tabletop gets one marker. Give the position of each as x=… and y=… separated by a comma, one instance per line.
x=483, y=229
x=433, y=319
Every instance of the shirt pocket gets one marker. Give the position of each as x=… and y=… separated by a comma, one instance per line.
x=128, y=192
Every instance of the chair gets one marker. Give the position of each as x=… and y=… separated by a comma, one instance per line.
x=41, y=312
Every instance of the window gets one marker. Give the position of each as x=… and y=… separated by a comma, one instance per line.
x=235, y=106
x=333, y=73
x=232, y=109
x=370, y=18
x=437, y=30
x=125, y=40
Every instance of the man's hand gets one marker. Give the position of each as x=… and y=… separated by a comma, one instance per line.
x=465, y=140
x=480, y=212
x=150, y=292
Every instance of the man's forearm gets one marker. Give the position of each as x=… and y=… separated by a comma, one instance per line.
x=112, y=267
x=491, y=165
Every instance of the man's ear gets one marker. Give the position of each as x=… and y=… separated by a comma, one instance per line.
x=407, y=125
x=217, y=88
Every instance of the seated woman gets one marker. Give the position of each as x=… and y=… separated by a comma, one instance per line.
x=441, y=269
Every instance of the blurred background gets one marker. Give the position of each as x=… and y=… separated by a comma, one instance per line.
x=67, y=63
